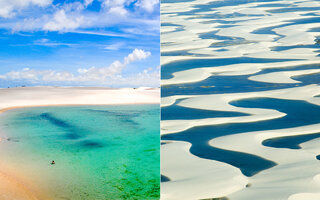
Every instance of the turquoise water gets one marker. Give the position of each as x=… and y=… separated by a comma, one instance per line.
x=101, y=152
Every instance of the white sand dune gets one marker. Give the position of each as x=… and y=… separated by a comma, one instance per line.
x=220, y=102
x=295, y=171
x=45, y=96
x=206, y=178
x=199, y=74
x=256, y=30
x=283, y=76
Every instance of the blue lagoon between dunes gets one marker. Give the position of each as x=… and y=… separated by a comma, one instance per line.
x=100, y=152
x=240, y=99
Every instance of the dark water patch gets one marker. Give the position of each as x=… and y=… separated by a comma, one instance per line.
x=310, y=14
x=308, y=79
x=225, y=40
x=299, y=113
x=290, y=142
x=306, y=20
x=273, y=5
x=150, y=150
x=181, y=28
x=318, y=157
x=71, y=132
x=164, y=179
x=72, y=135
x=169, y=24
x=315, y=29
x=90, y=144
x=55, y=121
x=126, y=117
x=166, y=142
x=284, y=48
x=222, y=85
x=239, y=84
x=175, y=1
x=230, y=43
x=249, y=164
x=176, y=112
x=166, y=43
x=218, y=198
x=226, y=26
x=214, y=35
x=181, y=65
x=221, y=21
x=234, y=15
x=13, y=139
x=293, y=9
x=220, y=50
x=217, y=4
x=177, y=53
x=290, y=68
x=267, y=30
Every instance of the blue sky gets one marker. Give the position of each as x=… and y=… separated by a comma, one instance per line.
x=86, y=42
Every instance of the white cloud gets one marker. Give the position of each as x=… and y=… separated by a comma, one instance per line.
x=53, y=76
x=111, y=75
x=116, y=7
x=49, y=43
x=118, y=11
x=87, y=2
x=148, y=5
x=137, y=54
x=62, y=22
x=116, y=3
x=73, y=16
x=8, y=7
x=115, y=68
x=114, y=46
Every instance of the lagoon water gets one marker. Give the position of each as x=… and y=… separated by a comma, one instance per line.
x=240, y=84
x=101, y=152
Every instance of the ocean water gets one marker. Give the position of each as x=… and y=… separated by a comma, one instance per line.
x=101, y=152
x=256, y=55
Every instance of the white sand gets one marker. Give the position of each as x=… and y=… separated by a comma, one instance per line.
x=297, y=177
x=187, y=171
x=199, y=74
x=282, y=77
x=296, y=169
x=44, y=96
x=220, y=102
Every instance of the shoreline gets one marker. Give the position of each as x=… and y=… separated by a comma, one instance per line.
x=16, y=186
x=75, y=96
x=66, y=105
x=13, y=186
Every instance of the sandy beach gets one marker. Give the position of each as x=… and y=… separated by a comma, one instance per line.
x=14, y=184
x=53, y=96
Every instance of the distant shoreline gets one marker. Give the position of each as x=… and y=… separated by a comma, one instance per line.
x=21, y=97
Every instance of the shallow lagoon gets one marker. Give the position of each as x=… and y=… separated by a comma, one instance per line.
x=101, y=152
